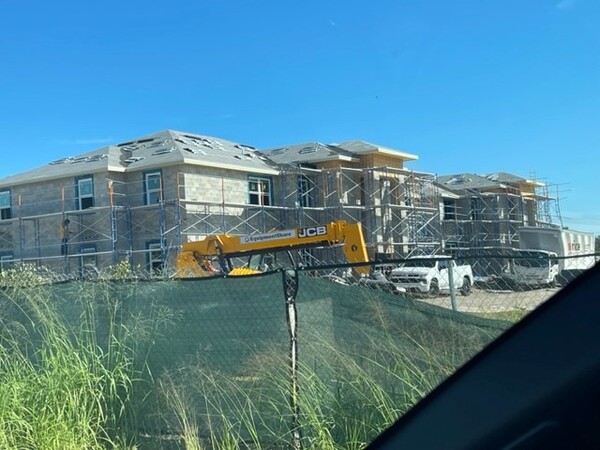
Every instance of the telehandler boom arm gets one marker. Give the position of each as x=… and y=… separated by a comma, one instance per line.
x=194, y=259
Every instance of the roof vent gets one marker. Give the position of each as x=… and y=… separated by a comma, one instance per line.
x=60, y=161
x=96, y=157
x=133, y=159
x=277, y=151
x=189, y=136
x=195, y=151
x=459, y=179
x=305, y=150
x=162, y=151
x=125, y=143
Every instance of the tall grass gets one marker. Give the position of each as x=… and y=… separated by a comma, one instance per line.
x=82, y=381
x=64, y=384
x=356, y=376
x=345, y=399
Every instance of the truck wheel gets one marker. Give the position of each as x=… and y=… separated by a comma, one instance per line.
x=434, y=288
x=466, y=287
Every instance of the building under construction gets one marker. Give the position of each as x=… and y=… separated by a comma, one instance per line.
x=137, y=201
x=482, y=214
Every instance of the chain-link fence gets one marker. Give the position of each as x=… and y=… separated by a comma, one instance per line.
x=310, y=358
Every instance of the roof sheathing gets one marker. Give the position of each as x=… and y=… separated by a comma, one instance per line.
x=87, y=163
x=460, y=182
x=505, y=177
x=161, y=149
x=308, y=153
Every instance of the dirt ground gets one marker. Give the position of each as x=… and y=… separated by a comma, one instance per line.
x=492, y=301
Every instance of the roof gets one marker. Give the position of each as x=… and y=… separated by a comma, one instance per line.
x=160, y=149
x=309, y=152
x=363, y=148
x=505, y=177
x=446, y=193
x=460, y=182
x=313, y=152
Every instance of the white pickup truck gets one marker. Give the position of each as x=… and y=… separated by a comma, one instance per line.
x=430, y=276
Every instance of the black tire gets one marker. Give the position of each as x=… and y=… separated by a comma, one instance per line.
x=434, y=288
x=466, y=287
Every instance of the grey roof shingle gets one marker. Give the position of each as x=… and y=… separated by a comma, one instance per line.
x=504, y=177
x=159, y=149
x=312, y=152
x=306, y=153
x=460, y=182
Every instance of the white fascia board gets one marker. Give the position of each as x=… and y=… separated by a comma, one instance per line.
x=397, y=154
x=264, y=171
x=448, y=194
x=333, y=158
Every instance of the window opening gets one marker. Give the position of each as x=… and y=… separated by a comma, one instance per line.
x=305, y=194
x=5, y=203
x=85, y=193
x=259, y=191
x=155, y=262
x=153, y=188
x=87, y=261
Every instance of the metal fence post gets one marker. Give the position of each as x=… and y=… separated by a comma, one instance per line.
x=451, y=283
x=290, y=289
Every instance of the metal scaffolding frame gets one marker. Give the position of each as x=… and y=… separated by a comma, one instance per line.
x=399, y=211
x=487, y=221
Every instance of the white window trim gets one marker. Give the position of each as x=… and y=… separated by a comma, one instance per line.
x=80, y=197
x=260, y=193
x=149, y=192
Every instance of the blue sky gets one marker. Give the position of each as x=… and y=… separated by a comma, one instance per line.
x=469, y=86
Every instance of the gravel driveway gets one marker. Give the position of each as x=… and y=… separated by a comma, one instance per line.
x=490, y=301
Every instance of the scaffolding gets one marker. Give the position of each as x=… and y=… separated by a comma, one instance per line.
x=399, y=211
x=402, y=212
x=477, y=221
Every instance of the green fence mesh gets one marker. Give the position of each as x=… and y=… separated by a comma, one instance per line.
x=210, y=359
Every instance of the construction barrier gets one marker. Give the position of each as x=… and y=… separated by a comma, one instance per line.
x=298, y=358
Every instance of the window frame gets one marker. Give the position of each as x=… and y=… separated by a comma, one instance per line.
x=449, y=207
x=154, y=246
x=6, y=211
x=476, y=209
x=260, y=194
x=86, y=251
x=79, y=198
x=7, y=260
x=148, y=192
x=305, y=192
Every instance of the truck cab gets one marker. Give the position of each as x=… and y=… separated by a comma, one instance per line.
x=430, y=275
x=534, y=268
